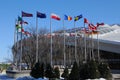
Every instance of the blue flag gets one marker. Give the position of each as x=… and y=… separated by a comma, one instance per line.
x=78, y=17
x=41, y=15
x=67, y=17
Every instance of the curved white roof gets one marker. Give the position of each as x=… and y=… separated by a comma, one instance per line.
x=109, y=33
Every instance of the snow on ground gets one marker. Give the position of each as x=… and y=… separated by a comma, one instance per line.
x=96, y=79
x=29, y=78
x=5, y=77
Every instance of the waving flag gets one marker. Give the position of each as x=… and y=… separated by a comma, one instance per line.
x=92, y=27
x=86, y=21
x=24, y=14
x=21, y=30
x=19, y=18
x=18, y=26
x=23, y=22
x=54, y=16
x=78, y=17
x=27, y=33
x=41, y=15
x=100, y=24
x=67, y=18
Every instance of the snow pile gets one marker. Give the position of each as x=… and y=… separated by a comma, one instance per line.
x=5, y=77
x=96, y=79
x=29, y=78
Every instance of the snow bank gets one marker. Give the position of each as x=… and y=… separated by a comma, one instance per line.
x=5, y=77
x=29, y=78
x=96, y=79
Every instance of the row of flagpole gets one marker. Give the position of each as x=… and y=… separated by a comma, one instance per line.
x=54, y=16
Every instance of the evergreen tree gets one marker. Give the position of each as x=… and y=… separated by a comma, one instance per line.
x=49, y=73
x=57, y=72
x=84, y=71
x=42, y=70
x=93, y=70
x=36, y=71
x=74, y=75
x=104, y=71
x=89, y=70
x=65, y=74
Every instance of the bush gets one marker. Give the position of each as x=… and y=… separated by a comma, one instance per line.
x=89, y=70
x=84, y=71
x=104, y=71
x=57, y=72
x=42, y=70
x=65, y=74
x=37, y=71
x=49, y=73
x=93, y=70
x=74, y=75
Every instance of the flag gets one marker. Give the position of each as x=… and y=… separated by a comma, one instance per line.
x=27, y=33
x=41, y=15
x=24, y=14
x=92, y=27
x=19, y=18
x=67, y=18
x=78, y=17
x=23, y=22
x=54, y=16
x=21, y=30
x=86, y=21
x=100, y=24
x=18, y=26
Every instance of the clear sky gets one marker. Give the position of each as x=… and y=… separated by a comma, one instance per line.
x=107, y=11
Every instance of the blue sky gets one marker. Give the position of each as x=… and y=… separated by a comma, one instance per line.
x=107, y=11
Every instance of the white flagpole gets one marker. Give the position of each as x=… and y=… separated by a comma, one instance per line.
x=64, y=46
x=75, y=43
x=15, y=42
x=21, y=47
x=90, y=44
x=36, y=39
x=92, y=47
x=98, y=45
x=51, y=43
x=17, y=45
x=85, y=44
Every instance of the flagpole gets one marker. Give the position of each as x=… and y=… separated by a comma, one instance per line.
x=51, y=43
x=36, y=39
x=92, y=47
x=90, y=44
x=21, y=47
x=17, y=44
x=15, y=40
x=64, y=46
x=85, y=44
x=98, y=46
x=75, y=43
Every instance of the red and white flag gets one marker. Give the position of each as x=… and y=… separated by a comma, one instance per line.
x=100, y=24
x=54, y=16
x=86, y=21
x=92, y=27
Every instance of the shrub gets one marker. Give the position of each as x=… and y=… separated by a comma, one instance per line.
x=36, y=71
x=49, y=73
x=65, y=74
x=57, y=72
x=93, y=70
x=104, y=71
x=89, y=70
x=74, y=75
